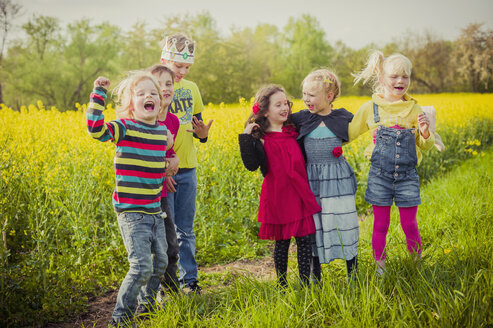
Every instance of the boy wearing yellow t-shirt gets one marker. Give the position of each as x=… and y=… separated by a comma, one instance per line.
x=178, y=55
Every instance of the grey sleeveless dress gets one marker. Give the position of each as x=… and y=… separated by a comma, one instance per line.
x=333, y=183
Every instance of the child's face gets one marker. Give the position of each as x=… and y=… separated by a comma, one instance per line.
x=180, y=69
x=316, y=100
x=279, y=108
x=166, y=83
x=395, y=83
x=146, y=102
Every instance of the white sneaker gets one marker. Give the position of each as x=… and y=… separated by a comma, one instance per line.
x=380, y=272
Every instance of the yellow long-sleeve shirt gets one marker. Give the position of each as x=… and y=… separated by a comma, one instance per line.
x=403, y=113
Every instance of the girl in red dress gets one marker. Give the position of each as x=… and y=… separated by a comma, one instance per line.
x=286, y=201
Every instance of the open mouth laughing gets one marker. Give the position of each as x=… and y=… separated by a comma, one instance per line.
x=149, y=106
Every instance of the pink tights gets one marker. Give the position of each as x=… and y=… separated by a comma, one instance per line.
x=381, y=227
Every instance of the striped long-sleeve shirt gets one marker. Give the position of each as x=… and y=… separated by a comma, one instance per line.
x=139, y=157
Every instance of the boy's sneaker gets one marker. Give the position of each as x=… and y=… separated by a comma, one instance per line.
x=143, y=310
x=193, y=288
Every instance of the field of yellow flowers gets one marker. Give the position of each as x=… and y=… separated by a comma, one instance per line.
x=59, y=236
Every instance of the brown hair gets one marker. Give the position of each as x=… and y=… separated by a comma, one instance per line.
x=159, y=69
x=262, y=98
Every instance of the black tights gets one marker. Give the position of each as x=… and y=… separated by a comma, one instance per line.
x=304, y=258
x=351, y=266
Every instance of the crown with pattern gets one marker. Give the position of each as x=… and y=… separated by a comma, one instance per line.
x=171, y=53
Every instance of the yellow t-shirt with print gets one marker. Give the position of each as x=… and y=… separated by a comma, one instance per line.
x=187, y=102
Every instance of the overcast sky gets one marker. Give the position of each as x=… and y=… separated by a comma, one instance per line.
x=355, y=22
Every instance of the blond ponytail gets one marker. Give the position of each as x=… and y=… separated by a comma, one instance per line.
x=373, y=70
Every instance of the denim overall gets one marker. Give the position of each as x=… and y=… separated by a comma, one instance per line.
x=393, y=172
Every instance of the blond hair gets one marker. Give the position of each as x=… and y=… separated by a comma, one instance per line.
x=124, y=92
x=327, y=81
x=378, y=64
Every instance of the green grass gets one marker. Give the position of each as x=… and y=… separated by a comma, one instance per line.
x=450, y=287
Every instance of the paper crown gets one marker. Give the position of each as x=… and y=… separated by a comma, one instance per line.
x=172, y=53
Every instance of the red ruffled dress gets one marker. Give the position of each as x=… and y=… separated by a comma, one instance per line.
x=286, y=201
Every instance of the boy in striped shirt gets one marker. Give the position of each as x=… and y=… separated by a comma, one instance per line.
x=141, y=144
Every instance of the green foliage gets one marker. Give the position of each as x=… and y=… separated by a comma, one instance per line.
x=58, y=65
x=59, y=71
x=304, y=49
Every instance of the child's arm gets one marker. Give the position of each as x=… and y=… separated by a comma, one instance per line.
x=425, y=140
x=358, y=125
x=173, y=163
x=200, y=129
x=432, y=116
x=170, y=140
x=251, y=150
x=96, y=126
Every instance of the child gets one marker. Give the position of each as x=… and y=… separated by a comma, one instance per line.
x=178, y=54
x=165, y=78
x=323, y=129
x=139, y=169
x=286, y=202
x=399, y=128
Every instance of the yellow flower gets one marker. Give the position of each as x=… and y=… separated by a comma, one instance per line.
x=446, y=251
x=12, y=233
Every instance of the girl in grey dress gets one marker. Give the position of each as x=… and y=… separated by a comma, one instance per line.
x=323, y=129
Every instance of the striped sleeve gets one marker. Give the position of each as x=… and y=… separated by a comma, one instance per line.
x=97, y=128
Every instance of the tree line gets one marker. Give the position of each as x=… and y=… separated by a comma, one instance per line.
x=57, y=65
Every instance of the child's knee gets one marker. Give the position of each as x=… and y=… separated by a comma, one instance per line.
x=161, y=264
x=141, y=272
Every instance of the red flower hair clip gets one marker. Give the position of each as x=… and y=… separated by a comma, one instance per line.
x=255, y=108
x=337, y=151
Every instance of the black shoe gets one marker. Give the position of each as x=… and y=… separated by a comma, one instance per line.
x=143, y=310
x=171, y=288
x=193, y=288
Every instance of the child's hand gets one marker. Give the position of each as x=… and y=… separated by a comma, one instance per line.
x=199, y=128
x=250, y=127
x=170, y=140
x=424, y=124
x=101, y=81
x=170, y=184
x=173, y=163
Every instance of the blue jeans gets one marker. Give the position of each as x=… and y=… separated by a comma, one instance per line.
x=182, y=205
x=144, y=237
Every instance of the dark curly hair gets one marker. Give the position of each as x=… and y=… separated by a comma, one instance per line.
x=262, y=98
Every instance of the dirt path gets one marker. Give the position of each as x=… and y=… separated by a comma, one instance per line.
x=99, y=309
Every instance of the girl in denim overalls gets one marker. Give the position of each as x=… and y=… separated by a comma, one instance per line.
x=400, y=129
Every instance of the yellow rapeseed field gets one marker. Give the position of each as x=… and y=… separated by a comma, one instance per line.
x=52, y=146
